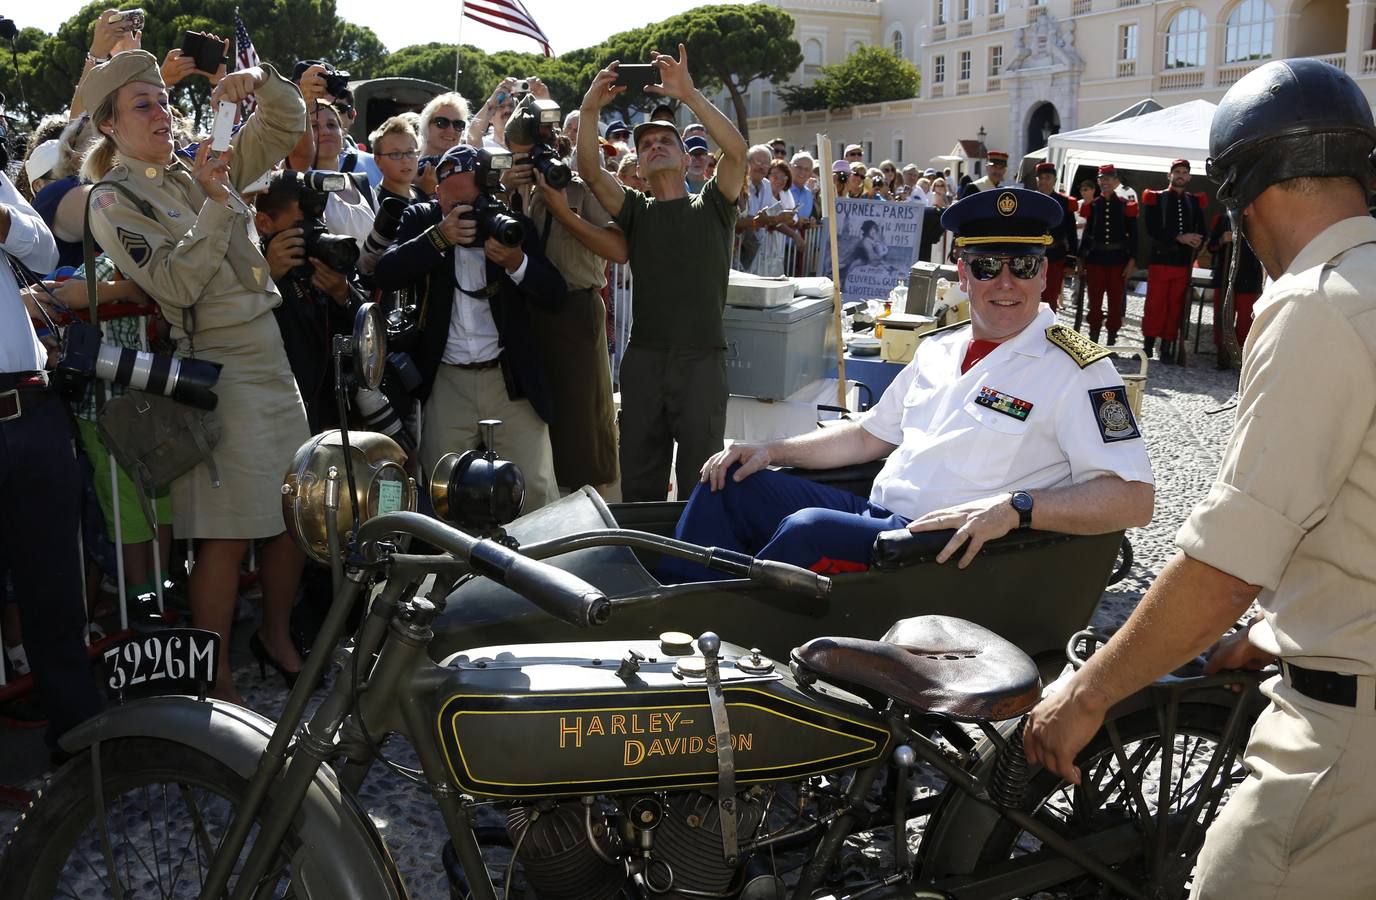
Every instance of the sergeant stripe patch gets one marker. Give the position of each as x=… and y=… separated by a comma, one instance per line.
x=135, y=244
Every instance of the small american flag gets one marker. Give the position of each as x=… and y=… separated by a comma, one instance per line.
x=507, y=15
x=245, y=55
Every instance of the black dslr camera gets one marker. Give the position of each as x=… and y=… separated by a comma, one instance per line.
x=495, y=219
x=533, y=124
x=339, y=252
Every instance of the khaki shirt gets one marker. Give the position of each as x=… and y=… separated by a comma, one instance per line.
x=1294, y=506
x=581, y=268
x=193, y=251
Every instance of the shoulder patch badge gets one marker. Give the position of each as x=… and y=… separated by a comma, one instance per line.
x=1076, y=345
x=1113, y=414
x=104, y=198
x=135, y=244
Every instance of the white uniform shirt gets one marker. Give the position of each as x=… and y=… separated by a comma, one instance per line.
x=473, y=334
x=30, y=242
x=952, y=449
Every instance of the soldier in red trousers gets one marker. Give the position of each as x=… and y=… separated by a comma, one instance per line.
x=1175, y=221
x=1064, y=241
x=1108, y=249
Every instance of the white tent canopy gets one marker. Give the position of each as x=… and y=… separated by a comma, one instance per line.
x=1146, y=142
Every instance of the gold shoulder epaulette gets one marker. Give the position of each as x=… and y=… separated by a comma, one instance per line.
x=1076, y=345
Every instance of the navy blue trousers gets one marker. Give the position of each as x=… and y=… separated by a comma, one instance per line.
x=40, y=512
x=776, y=516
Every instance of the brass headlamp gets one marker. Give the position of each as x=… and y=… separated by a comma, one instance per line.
x=380, y=482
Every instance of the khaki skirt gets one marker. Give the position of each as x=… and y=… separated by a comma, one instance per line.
x=262, y=423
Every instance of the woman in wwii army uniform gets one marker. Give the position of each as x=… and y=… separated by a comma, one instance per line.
x=192, y=253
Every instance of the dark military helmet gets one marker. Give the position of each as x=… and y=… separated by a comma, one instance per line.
x=1290, y=118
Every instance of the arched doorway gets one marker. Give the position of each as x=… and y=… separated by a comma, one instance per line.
x=1043, y=122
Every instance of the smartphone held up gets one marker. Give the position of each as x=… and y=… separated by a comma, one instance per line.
x=636, y=75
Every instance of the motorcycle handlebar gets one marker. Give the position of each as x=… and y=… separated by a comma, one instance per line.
x=785, y=577
x=559, y=593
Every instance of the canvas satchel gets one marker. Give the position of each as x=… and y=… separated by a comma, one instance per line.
x=155, y=439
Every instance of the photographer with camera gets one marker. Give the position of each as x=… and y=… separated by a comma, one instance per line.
x=183, y=236
x=318, y=299
x=580, y=237
x=480, y=270
x=40, y=487
x=673, y=377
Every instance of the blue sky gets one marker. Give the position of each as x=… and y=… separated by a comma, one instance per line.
x=570, y=24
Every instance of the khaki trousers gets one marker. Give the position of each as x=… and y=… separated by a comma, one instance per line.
x=1303, y=823
x=462, y=397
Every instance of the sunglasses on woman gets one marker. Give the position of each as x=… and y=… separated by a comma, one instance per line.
x=987, y=268
x=442, y=122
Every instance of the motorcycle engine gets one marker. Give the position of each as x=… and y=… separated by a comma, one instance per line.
x=569, y=851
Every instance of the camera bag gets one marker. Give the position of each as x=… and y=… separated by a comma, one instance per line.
x=154, y=438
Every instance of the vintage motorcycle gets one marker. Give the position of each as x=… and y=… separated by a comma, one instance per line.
x=674, y=768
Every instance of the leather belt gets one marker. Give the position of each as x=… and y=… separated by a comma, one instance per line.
x=492, y=363
x=11, y=380
x=18, y=395
x=1317, y=684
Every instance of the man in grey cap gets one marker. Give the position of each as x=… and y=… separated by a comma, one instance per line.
x=673, y=376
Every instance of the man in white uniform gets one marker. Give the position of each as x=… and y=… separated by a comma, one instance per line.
x=1012, y=422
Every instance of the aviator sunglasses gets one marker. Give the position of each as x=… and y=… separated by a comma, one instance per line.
x=987, y=268
x=441, y=122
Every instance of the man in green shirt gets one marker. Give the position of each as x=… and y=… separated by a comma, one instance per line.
x=673, y=376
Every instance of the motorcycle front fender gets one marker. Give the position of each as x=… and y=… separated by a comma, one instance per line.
x=341, y=854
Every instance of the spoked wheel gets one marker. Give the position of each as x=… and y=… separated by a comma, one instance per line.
x=1159, y=797
x=167, y=807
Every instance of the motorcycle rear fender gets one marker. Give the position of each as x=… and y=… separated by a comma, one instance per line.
x=955, y=835
x=342, y=855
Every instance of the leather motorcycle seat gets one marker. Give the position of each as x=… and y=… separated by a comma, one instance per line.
x=937, y=664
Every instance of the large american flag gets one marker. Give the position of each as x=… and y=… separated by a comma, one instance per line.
x=244, y=55
x=506, y=15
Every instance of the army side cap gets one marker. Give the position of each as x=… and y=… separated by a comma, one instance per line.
x=113, y=74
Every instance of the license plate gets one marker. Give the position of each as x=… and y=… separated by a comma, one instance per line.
x=175, y=660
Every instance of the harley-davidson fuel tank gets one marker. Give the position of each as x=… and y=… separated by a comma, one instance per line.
x=547, y=720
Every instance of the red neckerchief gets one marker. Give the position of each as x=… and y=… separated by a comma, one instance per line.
x=976, y=351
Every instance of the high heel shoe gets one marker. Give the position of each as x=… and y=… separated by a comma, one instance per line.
x=265, y=659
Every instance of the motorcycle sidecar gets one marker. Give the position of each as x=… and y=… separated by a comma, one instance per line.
x=1033, y=588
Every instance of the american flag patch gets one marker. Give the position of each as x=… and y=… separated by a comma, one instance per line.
x=104, y=199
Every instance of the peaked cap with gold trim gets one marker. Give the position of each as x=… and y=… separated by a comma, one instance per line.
x=1003, y=220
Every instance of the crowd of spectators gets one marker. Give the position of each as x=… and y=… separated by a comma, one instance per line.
x=239, y=258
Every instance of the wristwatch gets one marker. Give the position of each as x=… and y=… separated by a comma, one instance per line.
x=1022, y=502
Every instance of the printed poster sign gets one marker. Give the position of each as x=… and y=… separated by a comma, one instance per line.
x=876, y=242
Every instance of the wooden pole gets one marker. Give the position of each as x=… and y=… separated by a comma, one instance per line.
x=828, y=184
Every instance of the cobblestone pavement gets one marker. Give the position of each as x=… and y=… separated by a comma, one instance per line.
x=1185, y=438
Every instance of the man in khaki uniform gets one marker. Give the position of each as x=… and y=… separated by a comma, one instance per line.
x=1289, y=520
x=579, y=238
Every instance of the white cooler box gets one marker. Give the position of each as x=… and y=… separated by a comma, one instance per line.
x=743, y=289
x=771, y=353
